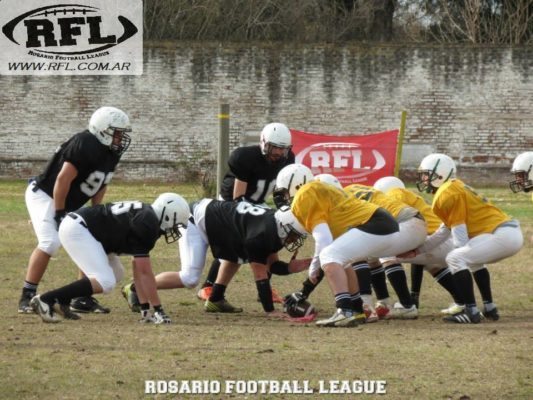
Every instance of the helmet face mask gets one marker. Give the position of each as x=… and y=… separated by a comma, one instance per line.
x=112, y=127
x=173, y=213
x=523, y=173
x=434, y=171
x=275, y=142
x=290, y=232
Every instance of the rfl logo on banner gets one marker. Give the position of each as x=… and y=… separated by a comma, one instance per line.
x=81, y=37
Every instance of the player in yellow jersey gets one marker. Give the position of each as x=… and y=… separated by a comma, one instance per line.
x=482, y=234
x=345, y=230
x=412, y=235
x=522, y=170
x=433, y=261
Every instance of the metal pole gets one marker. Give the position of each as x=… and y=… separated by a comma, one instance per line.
x=223, y=144
x=399, y=147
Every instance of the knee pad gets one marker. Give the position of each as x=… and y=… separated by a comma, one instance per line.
x=189, y=279
x=50, y=245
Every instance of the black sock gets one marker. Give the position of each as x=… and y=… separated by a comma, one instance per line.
x=465, y=287
x=63, y=295
x=444, y=277
x=398, y=281
x=362, y=270
x=218, y=292
x=309, y=286
x=357, y=302
x=30, y=288
x=265, y=294
x=132, y=287
x=212, y=275
x=482, y=278
x=343, y=300
x=417, y=275
x=379, y=283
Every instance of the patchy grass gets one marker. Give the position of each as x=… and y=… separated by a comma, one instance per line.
x=110, y=356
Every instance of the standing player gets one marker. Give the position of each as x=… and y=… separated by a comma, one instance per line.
x=95, y=236
x=236, y=232
x=481, y=232
x=80, y=170
x=252, y=176
x=523, y=173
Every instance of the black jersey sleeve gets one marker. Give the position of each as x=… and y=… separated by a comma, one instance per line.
x=241, y=164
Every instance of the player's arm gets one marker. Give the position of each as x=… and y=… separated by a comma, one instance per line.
x=146, y=288
x=64, y=179
x=239, y=188
x=99, y=196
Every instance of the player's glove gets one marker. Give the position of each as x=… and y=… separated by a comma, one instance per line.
x=160, y=317
x=293, y=298
x=58, y=217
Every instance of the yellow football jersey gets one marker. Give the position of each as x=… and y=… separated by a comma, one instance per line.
x=318, y=202
x=414, y=200
x=456, y=203
x=374, y=196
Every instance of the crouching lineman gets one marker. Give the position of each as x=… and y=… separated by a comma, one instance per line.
x=95, y=236
x=482, y=234
x=236, y=233
x=345, y=230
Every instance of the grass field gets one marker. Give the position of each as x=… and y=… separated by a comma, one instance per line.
x=111, y=356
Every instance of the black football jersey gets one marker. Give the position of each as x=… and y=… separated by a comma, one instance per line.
x=249, y=165
x=241, y=231
x=95, y=164
x=129, y=227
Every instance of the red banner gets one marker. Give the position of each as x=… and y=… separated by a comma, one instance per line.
x=352, y=159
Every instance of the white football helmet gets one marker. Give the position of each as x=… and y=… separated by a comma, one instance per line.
x=523, y=171
x=433, y=171
x=275, y=135
x=387, y=183
x=173, y=213
x=291, y=233
x=329, y=179
x=111, y=126
x=288, y=181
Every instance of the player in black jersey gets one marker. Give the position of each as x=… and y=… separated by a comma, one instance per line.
x=94, y=237
x=252, y=176
x=237, y=233
x=79, y=170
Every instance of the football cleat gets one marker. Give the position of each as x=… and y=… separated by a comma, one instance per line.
x=88, y=305
x=44, y=310
x=454, y=308
x=131, y=298
x=370, y=314
x=204, y=293
x=492, y=314
x=160, y=317
x=400, y=312
x=64, y=311
x=383, y=309
x=341, y=318
x=222, y=306
x=24, y=302
x=465, y=317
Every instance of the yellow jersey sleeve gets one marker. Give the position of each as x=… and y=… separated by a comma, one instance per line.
x=318, y=202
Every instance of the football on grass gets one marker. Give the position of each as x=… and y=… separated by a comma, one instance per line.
x=301, y=309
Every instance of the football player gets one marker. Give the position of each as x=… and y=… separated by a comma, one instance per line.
x=522, y=170
x=481, y=233
x=433, y=261
x=94, y=237
x=345, y=230
x=80, y=169
x=251, y=177
x=236, y=232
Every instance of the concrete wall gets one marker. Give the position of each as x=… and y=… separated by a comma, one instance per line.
x=473, y=103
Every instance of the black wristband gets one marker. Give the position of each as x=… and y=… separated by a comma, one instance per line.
x=279, y=268
x=265, y=294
